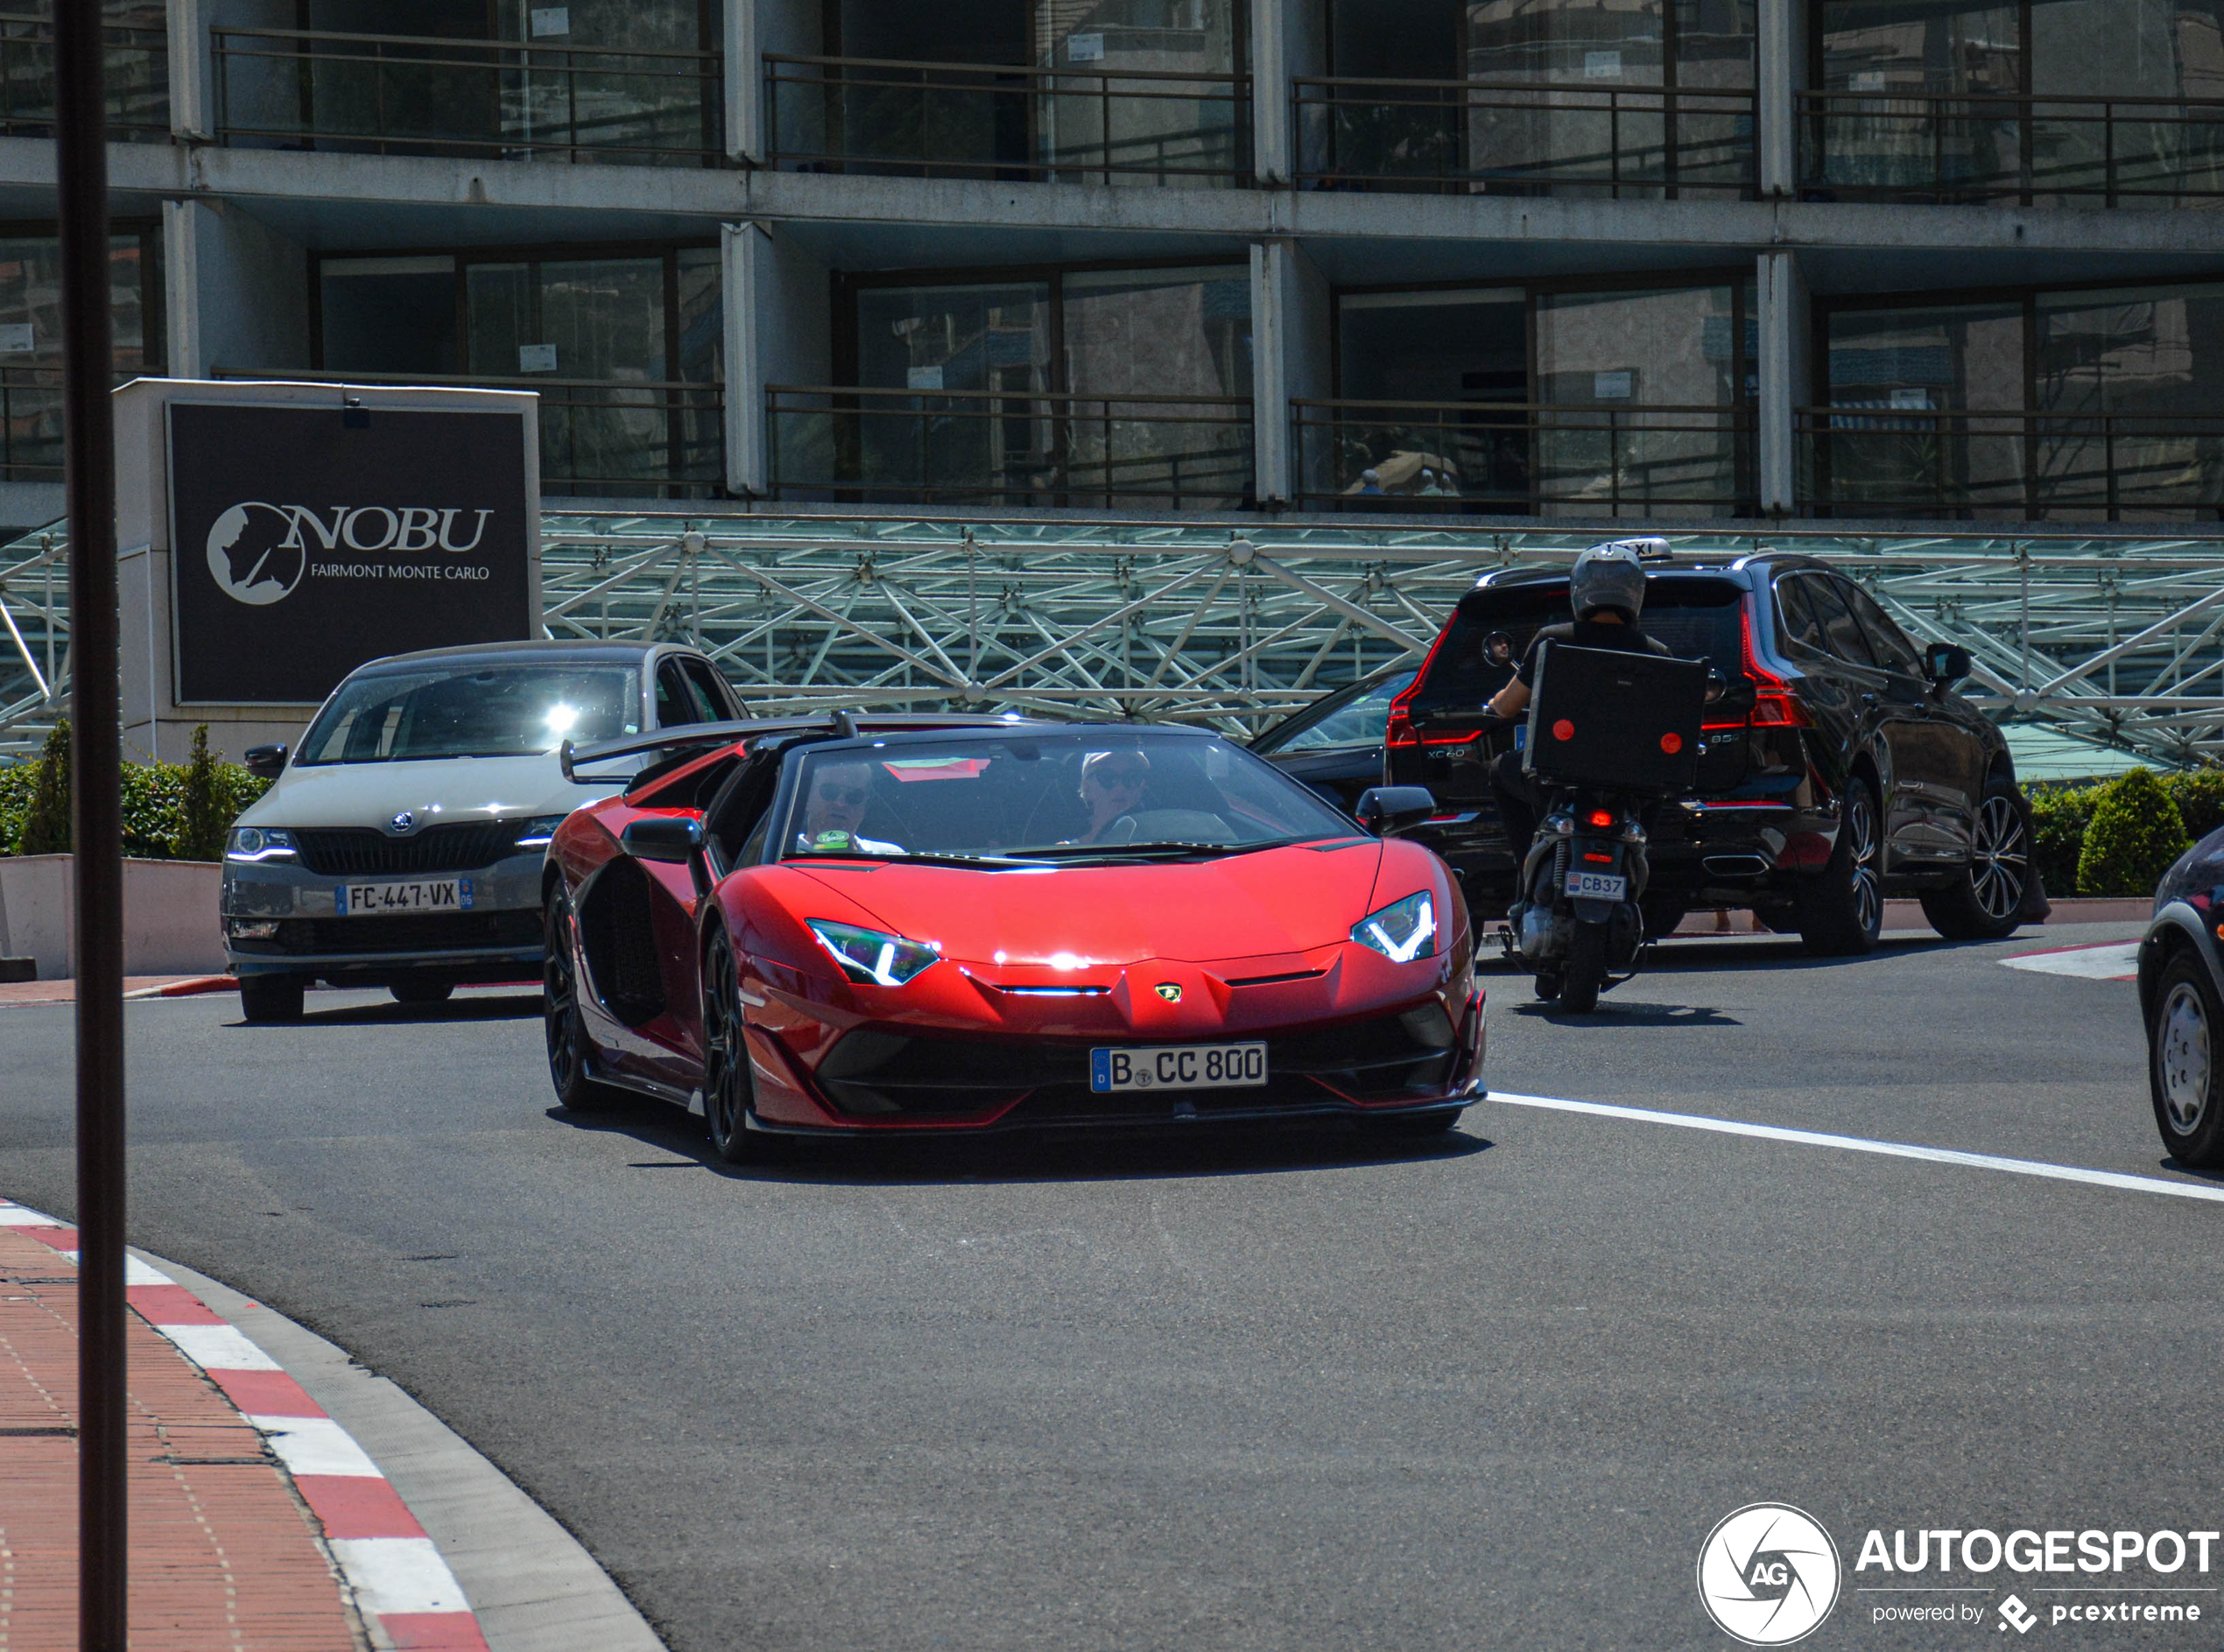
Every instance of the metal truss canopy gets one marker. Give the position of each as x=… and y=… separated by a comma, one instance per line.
x=2114, y=639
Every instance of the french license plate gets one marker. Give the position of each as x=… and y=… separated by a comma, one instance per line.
x=428, y=894
x=1598, y=886
x=1189, y=1066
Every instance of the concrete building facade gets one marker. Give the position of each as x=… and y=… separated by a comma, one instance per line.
x=1544, y=261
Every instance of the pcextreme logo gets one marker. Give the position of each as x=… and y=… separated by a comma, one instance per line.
x=258, y=552
x=1767, y=1574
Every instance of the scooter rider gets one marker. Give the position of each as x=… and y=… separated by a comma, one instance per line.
x=1608, y=592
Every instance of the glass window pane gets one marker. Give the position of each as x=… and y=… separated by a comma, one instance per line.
x=1459, y=364
x=1895, y=372
x=1886, y=641
x=30, y=343
x=388, y=315
x=2135, y=377
x=1841, y=632
x=1642, y=389
x=1091, y=120
x=1800, y=625
x=1134, y=336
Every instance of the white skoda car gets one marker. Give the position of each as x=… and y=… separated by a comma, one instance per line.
x=401, y=844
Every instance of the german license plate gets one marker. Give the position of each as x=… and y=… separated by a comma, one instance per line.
x=426, y=895
x=1598, y=886
x=1189, y=1066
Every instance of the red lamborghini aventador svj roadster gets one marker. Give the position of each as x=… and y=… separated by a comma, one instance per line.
x=851, y=926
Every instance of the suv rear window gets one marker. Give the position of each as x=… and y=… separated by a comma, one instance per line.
x=1697, y=618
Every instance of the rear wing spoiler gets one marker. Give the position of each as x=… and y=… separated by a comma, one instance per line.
x=839, y=725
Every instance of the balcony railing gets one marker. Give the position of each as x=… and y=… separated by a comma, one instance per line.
x=1524, y=459
x=1507, y=139
x=970, y=120
x=1862, y=461
x=615, y=438
x=137, y=69
x=411, y=94
x=1174, y=453
x=2092, y=151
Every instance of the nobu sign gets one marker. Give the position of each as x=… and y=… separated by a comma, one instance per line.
x=301, y=547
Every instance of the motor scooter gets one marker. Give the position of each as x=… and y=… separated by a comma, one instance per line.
x=1613, y=745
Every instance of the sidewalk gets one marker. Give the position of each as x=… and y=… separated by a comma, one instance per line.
x=64, y=991
x=256, y=1521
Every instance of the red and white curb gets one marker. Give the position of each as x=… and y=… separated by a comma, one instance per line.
x=409, y=1599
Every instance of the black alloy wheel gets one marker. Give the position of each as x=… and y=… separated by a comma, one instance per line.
x=567, y=1032
x=2184, y=1074
x=726, y=1081
x=1841, y=911
x=266, y=998
x=1986, y=901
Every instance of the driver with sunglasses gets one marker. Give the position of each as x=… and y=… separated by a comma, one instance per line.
x=835, y=807
x=1112, y=783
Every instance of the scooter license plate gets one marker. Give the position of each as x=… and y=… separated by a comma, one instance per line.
x=1598, y=886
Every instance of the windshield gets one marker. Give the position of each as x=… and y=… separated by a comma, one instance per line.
x=1103, y=794
x=1359, y=720
x=494, y=711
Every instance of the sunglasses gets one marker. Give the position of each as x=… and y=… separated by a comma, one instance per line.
x=1122, y=778
x=842, y=794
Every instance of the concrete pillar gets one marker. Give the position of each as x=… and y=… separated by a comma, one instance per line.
x=235, y=292
x=779, y=331
x=744, y=83
x=1786, y=375
x=1289, y=358
x=1781, y=74
x=1288, y=37
x=190, y=82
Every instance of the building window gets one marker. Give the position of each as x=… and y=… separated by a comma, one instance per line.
x=635, y=81
x=2096, y=405
x=1148, y=92
x=1566, y=97
x=1080, y=387
x=1595, y=400
x=626, y=349
x=31, y=337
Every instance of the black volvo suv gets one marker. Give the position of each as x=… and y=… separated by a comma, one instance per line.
x=1838, y=768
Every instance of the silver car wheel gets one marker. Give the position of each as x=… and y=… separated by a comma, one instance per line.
x=2000, y=861
x=2182, y=1058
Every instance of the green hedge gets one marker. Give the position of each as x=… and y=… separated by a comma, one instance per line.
x=2138, y=830
x=172, y=810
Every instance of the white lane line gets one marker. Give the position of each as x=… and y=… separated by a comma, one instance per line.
x=1864, y=1144
x=2116, y=961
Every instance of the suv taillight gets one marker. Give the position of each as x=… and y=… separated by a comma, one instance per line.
x=1774, y=702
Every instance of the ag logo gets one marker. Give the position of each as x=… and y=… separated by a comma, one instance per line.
x=1767, y=1574
x=1170, y=991
x=255, y=554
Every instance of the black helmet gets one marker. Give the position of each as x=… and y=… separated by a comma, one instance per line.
x=1612, y=576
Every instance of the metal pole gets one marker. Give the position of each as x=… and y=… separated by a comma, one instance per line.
x=97, y=816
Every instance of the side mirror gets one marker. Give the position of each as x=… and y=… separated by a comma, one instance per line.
x=1717, y=686
x=265, y=763
x=1946, y=664
x=1387, y=810
x=676, y=839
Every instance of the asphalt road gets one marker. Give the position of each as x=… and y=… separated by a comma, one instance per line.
x=1277, y=1392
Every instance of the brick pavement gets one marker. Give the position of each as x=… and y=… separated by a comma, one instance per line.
x=224, y=1552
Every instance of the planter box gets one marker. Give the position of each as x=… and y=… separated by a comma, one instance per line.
x=171, y=919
